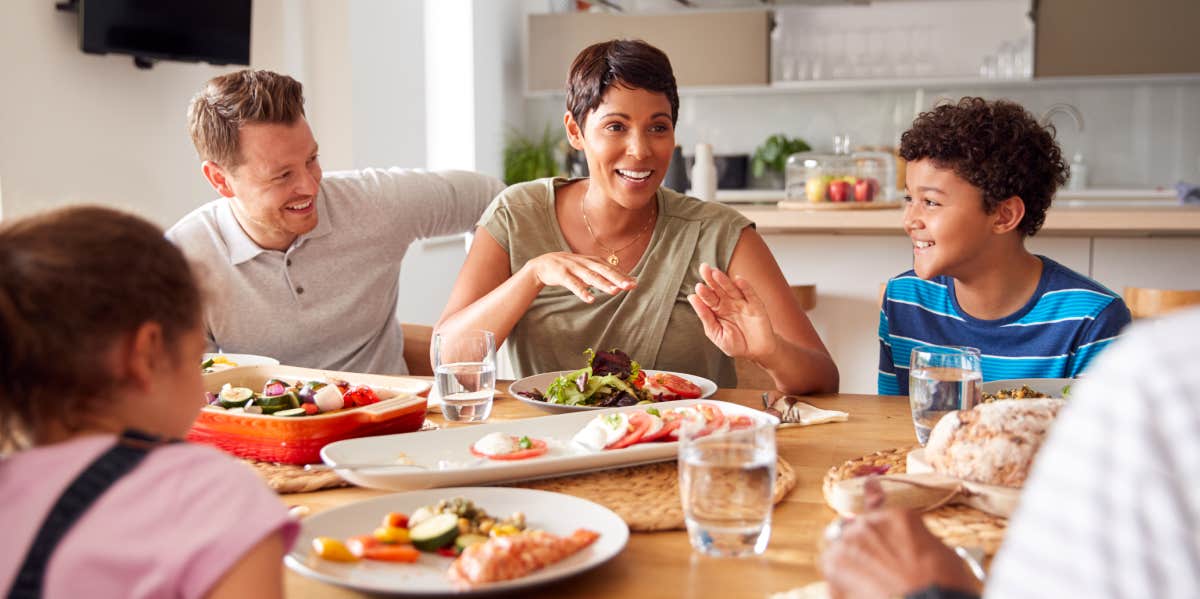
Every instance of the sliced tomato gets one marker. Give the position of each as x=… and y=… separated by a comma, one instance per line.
x=662, y=431
x=537, y=448
x=676, y=385
x=639, y=423
x=674, y=419
x=392, y=553
x=639, y=381
x=740, y=422
x=395, y=519
x=714, y=418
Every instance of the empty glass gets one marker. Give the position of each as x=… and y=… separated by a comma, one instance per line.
x=941, y=380
x=726, y=482
x=465, y=374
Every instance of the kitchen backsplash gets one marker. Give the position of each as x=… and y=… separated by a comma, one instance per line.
x=1135, y=135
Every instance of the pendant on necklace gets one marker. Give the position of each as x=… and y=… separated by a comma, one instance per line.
x=613, y=259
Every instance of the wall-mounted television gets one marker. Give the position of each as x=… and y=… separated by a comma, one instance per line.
x=213, y=31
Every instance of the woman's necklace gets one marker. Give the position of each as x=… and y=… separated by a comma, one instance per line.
x=612, y=254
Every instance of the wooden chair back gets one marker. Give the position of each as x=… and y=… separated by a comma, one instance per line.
x=749, y=375
x=1146, y=302
x=417, y=338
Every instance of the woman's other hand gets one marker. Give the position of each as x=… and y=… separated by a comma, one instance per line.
x=578, y=273
x=888, y=552
x=734, y=317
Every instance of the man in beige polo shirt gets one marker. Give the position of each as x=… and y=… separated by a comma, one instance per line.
x=300, y=265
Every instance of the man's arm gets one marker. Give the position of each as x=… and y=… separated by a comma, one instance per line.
x=431, y=203
x=1110, y=507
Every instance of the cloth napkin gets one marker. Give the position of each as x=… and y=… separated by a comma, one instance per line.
x=793, y=412
x=923, y=489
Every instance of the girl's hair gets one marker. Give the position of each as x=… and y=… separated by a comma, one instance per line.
x=629, y=63
x=73, y=282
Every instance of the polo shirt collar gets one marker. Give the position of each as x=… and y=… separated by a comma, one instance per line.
x=243, y=249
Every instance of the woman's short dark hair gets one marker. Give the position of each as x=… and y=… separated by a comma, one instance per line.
x=629, y=63
x=996, y=146
x=74, y=282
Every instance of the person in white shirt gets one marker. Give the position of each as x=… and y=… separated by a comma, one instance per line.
x=300, y=265
x=1112, y=506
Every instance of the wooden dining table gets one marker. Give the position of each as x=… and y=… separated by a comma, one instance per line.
x=663, y=563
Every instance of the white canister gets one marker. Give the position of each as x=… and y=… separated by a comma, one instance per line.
x=704, y=174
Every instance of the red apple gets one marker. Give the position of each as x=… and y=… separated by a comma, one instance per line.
x=864, y=190
x=838, y=191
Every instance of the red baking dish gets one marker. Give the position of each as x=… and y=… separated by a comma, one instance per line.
x=298, y=440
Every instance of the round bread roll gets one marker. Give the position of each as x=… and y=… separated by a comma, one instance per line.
x=992, y=443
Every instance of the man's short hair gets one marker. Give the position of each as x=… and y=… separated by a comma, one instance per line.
x=629, y=63
x=231, y=101
x=996, y=146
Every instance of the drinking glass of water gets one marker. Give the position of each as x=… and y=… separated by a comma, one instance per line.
x=726, y=482
x=464, y=369
x=941, y=380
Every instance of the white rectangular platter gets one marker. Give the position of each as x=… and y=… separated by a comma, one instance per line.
x=442, y=458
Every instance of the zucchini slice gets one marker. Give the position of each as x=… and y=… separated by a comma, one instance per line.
x=234, y=397
x=434, y=533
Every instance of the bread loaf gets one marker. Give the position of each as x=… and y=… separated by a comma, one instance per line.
x=992, y=443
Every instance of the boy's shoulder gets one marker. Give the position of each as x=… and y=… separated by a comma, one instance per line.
x=1059, y=278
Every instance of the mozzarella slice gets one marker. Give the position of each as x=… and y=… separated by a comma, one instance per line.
x=495, y=444
x=602, y=431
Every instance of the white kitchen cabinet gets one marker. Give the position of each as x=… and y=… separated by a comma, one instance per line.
x=1161, y=262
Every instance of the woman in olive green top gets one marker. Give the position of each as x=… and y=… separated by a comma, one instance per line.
x=616, y=261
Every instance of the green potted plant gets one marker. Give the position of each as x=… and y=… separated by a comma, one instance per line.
x=770, y=158
x=527, y=158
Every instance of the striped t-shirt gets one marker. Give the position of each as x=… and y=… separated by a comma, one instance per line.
x=1066, y=323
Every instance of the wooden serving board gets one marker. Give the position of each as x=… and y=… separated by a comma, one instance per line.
x=786, y=205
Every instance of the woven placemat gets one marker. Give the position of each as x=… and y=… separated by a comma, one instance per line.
x=954, y=524
x=646, y=497
x=290, y=478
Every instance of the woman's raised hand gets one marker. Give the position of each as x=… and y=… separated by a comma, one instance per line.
x=734, y=317
x=578, y=273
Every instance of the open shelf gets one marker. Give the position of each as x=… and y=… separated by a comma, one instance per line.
x=848, y=85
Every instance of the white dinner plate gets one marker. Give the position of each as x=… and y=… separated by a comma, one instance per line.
x=244, y=360
x=541, y=381
x=1051, y=387
x=443, y=458
x=552, y=512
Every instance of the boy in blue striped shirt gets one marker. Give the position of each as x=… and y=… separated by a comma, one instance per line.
x=980, y=178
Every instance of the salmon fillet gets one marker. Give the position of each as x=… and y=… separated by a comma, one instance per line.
x=514, y=556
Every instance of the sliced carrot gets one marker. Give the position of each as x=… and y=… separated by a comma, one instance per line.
x=392, y=553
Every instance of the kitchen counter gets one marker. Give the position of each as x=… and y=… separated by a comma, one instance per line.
x=1073, y=218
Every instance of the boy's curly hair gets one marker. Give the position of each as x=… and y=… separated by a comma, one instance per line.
x=996, y=146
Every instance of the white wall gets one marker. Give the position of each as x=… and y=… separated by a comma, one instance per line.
x=78, y=127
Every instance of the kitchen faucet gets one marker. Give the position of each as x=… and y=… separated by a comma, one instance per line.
x=1063, y=107
x=1078, y=176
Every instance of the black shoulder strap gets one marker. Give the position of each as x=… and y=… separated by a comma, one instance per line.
x=131, y=447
